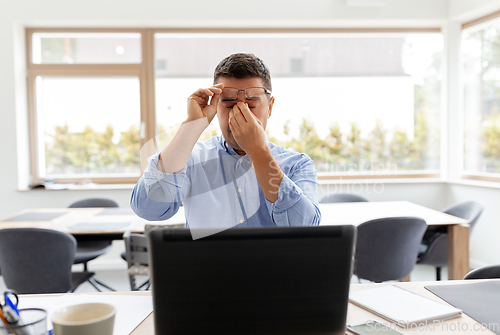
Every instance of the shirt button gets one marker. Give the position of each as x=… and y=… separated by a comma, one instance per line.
x=241, y=221
x=239, y=190
x=241, y=160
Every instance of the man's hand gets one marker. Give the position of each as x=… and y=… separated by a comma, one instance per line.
x=198, y=106
x=247, y=130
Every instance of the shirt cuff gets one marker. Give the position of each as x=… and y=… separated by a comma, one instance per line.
x=152, y=175
x=289, y=193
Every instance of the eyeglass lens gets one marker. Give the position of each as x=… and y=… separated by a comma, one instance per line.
x=251, y=93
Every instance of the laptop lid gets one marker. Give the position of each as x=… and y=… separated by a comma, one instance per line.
x=280, y=280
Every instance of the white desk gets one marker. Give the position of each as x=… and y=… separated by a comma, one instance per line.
x=356, y=314
x=356, y=213
x=353, y=213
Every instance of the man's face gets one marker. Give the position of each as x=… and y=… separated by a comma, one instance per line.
x=261, y=108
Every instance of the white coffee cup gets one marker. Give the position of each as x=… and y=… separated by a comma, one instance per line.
x=84, y=319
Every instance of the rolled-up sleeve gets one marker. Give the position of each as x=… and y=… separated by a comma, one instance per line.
x=297, y=203
x=158, y=195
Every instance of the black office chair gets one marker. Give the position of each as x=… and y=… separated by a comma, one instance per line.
x=485, y=272
x=434, y=246
x=387, y=249
x=342, y=197
x=91, y=249
x=35, y=260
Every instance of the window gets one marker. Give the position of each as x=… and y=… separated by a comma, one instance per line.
x=481, y=87
x=87, y=114
x=90, y=125
x=359, y=103
x=86, y=48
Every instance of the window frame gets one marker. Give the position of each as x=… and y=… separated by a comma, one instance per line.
x=468, y=175
x=143, y=71
x=146, y=74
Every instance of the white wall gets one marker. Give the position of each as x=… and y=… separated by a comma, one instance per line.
x=17, y=14
x=466, y=10
x=427, y=193
x=485, y=249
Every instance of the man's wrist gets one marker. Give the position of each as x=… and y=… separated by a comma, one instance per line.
x=259, y=153
x=191, y=119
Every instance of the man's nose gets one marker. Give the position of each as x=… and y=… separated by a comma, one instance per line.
x=241, y=96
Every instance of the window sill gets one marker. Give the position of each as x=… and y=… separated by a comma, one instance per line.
x=473, y=182
x=465, y=182
x=381, y=181
x=99, y=187
x=85, y=187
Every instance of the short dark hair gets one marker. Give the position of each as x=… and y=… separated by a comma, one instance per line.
x=242, y=66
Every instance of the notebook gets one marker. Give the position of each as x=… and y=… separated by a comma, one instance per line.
x=402, y=307
x=278, y=280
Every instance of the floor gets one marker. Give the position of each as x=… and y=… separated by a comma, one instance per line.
x=118, y=279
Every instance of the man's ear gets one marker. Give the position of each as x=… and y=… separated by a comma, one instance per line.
x=271, y=104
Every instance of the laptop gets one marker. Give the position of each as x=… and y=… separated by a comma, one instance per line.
x=279, y=280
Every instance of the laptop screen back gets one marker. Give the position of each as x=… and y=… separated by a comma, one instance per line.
x=252, y=281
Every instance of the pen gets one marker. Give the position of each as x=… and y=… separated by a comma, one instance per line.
x=2, y=317
x=11, y=313
x=10, y=310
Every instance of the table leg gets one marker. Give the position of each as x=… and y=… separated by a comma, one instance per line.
x=405, y=279
x=458, y=251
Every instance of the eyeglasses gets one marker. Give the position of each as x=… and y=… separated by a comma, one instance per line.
x=251, y=93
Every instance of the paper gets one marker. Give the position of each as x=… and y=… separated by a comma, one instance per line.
x=130, y=310
x=117, y=211
x=96, y=226
x=37, y=216
x=401, y=306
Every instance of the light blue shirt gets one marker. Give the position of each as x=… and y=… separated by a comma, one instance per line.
x=219, y=189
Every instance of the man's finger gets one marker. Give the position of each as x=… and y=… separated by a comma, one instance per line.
x=201, y=94
x=208, y=92
x=199, y=100
x=234, y=129
x=215, y=100
x=233, y=119
x=245, y=111
x=238, y=112
x=215, y=89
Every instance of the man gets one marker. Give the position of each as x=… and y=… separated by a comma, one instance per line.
x=239, y=178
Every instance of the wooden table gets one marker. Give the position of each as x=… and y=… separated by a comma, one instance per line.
x=83, y=222
x=357, y=314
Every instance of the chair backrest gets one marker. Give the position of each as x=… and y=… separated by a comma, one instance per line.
x=36, y=260
x=136, y=248
x=485, y=272
x=148, y=227
x=468, y=210
x=342, y=197
x=94, y=202
x=387, y=249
